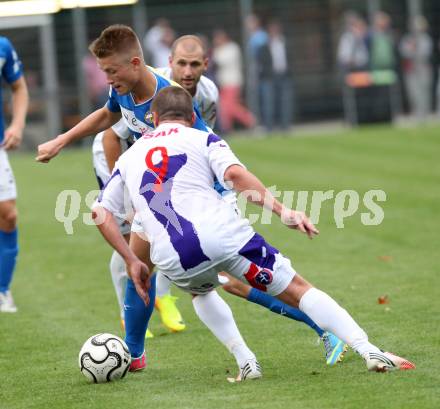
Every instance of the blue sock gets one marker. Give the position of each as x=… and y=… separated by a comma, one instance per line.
x=8, y=257
x=137, y=316
x=275, y=305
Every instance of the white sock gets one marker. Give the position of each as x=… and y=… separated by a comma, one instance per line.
x=119, y=278
x=217, y=316
x=163, y=285
x=329, y=315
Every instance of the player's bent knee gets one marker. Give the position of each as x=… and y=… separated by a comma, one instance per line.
x=294, y=291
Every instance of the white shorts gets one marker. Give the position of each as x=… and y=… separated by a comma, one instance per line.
x=8, y=189
x=103, y=175
x=273, y=281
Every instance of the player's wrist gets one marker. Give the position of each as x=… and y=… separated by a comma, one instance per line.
x=63, y=139
x=278, y=208
x=18, y=126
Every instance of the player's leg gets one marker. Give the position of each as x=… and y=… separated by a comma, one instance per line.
x=266, y=269
x=327, y=313
x=334, y=347
x=8, y=253
x=8, y=233
x=137, y=314
x=117, y=265
x=217, y=316
x=242, y=290
x=166, y=304
x=119, y=279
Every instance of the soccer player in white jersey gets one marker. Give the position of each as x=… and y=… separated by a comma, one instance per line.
x=187, y=63
x=194, y=234
x=10, y=138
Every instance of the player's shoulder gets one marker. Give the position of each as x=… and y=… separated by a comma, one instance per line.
x=5, y=44
x=162, y=80
x=207, y=88
x=163, y=71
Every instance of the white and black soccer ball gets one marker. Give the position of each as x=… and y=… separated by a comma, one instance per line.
x=104, y=358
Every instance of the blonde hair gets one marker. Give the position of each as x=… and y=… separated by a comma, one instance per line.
x=116, y=39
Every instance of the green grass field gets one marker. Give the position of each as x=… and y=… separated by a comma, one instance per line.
x=64, y=292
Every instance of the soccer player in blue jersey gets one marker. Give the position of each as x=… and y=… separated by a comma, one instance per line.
x=10, y=138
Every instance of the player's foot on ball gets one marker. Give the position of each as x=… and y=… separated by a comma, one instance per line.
x=148, y=333
x=7, y=302
x=250, y=370
x=169, y=313
x=137, y=364
x=386, y=361
x=334, y=348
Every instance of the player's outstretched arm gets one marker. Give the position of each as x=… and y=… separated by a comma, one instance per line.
x=137, y=270
x=20, y=102
x=248, y=184
x=96, y=122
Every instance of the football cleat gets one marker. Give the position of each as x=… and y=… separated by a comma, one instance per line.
x=386, y=361
x=148, y=333
x=250, y=370
x=334, y=348
x=7, y=302
x=138, y=364
x=169, y=313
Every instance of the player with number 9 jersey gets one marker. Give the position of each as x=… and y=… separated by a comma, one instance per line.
x=186, y=235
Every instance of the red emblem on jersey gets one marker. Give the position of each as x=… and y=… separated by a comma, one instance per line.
x=259, y=278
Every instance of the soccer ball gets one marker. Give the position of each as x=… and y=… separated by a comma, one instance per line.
x=104, y=358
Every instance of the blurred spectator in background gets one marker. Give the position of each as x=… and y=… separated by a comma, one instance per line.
x=158, y=41
x=228, y=61
x=416, y=51
x=274, y=77
x=96, y=82
x=352, y=49
x=257, y=38
x=381, y=43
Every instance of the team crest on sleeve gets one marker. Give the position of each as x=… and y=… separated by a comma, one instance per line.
x=258, y=277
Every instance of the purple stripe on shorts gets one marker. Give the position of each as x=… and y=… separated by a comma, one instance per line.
x=259, y=252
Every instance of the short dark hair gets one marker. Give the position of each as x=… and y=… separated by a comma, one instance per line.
x=115, y=39
x=173, y=103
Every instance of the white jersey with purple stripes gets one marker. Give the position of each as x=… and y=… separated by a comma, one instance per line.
x=169, y=174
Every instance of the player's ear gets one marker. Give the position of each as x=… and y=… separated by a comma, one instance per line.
x=193, y=118
x=205, y=63
x=136, y=61
x=170, y=61
x=155, y=119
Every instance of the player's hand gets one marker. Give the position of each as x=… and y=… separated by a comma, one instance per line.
x=140, y=275
x=298, y=221
x=47, y=150
x=13, y=137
